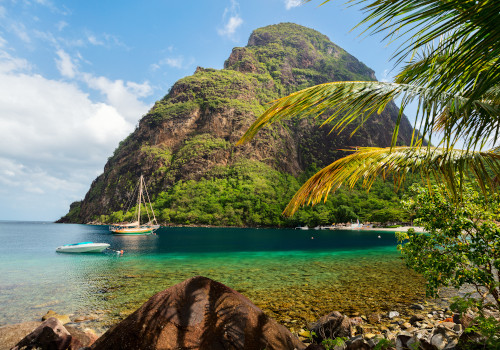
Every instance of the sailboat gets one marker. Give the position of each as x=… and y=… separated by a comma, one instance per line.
x=136, y=228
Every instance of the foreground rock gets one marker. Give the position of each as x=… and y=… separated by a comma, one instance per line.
x=332, y=326
x=198, y=313
x=29, y=335
x=51, y=334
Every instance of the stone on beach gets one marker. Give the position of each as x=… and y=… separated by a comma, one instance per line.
x=51, y=334
x=198, y=313
x=13, y=334
x=393, y=314
x=331, y=326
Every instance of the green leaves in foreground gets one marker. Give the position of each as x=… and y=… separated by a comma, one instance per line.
x=367, y=163
x=461, y=244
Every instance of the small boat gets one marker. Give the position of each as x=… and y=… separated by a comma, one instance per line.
x=136, y=228
x=83, y=247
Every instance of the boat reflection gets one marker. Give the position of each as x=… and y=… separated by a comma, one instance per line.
x=136, y=244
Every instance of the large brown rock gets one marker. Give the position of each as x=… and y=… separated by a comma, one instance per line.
x=50, y=335
x=198, y=313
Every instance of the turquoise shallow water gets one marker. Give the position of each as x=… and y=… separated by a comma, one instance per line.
x=293, y=275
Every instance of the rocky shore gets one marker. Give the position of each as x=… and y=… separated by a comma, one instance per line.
x=200, y=313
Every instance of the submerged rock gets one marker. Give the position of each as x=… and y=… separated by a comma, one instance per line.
x=51, y=313
x=198, y=313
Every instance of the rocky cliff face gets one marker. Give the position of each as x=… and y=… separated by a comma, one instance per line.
x=189, y=136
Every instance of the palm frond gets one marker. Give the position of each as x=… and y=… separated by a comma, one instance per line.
x=471, y=29
x=350, y=101
x=367, y=163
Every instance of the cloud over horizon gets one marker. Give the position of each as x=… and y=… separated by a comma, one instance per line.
x=53, y=135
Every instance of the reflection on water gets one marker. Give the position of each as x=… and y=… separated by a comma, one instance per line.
x=292, y=277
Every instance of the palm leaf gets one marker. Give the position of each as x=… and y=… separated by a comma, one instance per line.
x=471, y=29
x=350, y=101
x=367, y=163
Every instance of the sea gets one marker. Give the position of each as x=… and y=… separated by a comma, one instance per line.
x=295, y=276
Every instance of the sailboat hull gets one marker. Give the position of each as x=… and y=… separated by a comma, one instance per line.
x=132, y=232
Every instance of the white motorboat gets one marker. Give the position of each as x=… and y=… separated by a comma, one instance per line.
x=83, y=247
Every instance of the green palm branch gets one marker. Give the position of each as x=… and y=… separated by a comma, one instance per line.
x=367, y=163
x=355, y=101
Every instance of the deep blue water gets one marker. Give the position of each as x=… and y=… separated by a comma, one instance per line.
x=34, y=278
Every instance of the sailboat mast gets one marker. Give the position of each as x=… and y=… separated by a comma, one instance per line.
x=139, y=201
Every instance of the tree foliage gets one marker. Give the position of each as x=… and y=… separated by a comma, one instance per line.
x=251, y=193
x=462, y=243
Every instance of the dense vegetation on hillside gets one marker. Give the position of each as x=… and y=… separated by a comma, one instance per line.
x=253, y=194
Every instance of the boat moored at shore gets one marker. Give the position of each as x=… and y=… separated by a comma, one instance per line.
x=83, y=247
x=136, y=228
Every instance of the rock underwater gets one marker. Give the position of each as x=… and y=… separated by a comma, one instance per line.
x=198, y=313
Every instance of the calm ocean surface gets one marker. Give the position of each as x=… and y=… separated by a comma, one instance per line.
x=288, y=273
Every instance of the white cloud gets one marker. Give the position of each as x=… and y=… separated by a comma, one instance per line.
x=175, y=62
x=20, y=30
x=386, y=76
x=65, y=65
x=3, y=12
x=121, y=95
x=105, y=40
x=61, y=25
x=94, y=41
x=293, y=3
x=230, y=28
x=54, y=139
x=232, y=20
x=12, y=64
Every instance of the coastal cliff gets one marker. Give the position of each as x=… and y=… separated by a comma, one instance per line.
x=185, y=145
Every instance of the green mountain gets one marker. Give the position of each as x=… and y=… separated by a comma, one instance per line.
x=185, y=145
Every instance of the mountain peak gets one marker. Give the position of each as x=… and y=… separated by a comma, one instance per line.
x=288, y=34
x=289, y=51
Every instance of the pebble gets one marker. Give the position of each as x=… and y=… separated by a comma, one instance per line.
x=393, y=314
x=417, y=307
x=374, y=318
x=406, y=325
x=304, y=333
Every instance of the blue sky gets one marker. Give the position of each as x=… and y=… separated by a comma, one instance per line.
x=76, y=76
